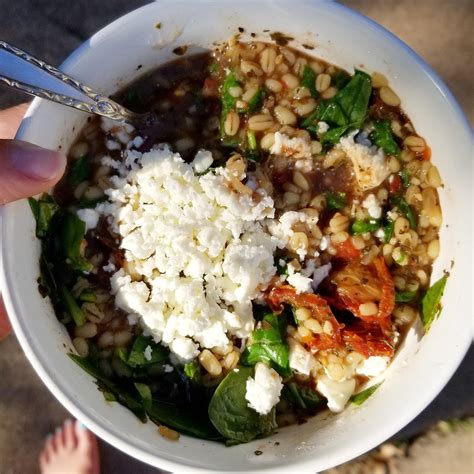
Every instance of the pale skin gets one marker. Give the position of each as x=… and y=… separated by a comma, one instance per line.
x=27, y=170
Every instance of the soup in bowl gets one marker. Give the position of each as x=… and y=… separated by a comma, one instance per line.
x=256, y=259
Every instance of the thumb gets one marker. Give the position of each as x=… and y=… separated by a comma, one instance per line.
x=26, y=169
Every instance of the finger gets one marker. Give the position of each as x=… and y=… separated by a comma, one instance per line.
x=5, y=326
x=10, y=120
x=26, y=170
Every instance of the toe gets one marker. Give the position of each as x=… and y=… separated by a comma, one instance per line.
x=58, y=439
x=69, y=436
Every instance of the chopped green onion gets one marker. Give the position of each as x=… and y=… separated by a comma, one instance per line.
x=335, y=200
x=360, y=226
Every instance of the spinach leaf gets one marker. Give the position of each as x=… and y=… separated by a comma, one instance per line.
x=301, y=396
x=382, y=136
x=145, y=394
x=193, y=421
x=268, y=345
x=79, y=171
x=256, y=100
x=345, y=111
x=70, y=236
x=361, y=397
x=335, y=200
x=88, y=295
x=71, y=306
x=43, y=211
x=431, y=302
x=405, y=209
x=123, y=395
x=229, y=411
x=137, y=358
x=360, y=226
x=340, y=79
x=308, y=80
x=405, y=296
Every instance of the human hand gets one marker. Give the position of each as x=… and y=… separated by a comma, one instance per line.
x=25, y=170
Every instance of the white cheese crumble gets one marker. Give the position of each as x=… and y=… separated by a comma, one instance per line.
x=373, y=366
x=323, y=127
x=300, y=359
x=110, y=267
x=202, y=161
x=263, y=391
x=371, y=203
x=370, y=165
x=147, y=353
x=200, y=249
x=301, y=283
x=90, y=217
x=296, y=147
x=336, y=393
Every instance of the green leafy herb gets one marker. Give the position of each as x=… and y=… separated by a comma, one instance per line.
x=431, y=302
x=79, y=171
x=360, y=226
x=388, y=230
x=228, y=101
x=405, y=209
x=336, y=200
x=251, y=140
x=192, y=370
x=361, y=397
x=345, y=111
x=301, y=395
x=229, y=411
x=256, y=101
x=268, y=345
x=137, y=358
x=405, y=177
x=309, y=81
x=43, y=211
x=383, y=137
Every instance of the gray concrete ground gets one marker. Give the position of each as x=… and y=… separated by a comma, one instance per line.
x=439, y=30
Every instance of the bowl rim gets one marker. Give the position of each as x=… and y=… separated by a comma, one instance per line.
x=119, y=440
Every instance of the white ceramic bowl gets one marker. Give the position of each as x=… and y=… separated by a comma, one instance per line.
x=109, y=60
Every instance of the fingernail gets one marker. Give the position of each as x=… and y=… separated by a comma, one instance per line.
x=35, y=162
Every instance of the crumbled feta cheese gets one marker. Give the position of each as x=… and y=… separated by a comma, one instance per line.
x=373, y=366
x=300, y=359
x=263, y=391
x=108, y=161
x=147, y=353
x=392, y=215
x=90, y=217
x=320, y=274
x=201, y=250
x=301, y=283
x=112, y=145
x=323, y=127
x=110, y=267
x=137, y=142
x=296, y=147
x=202, y=161
x=336, y=393
x=380, y=233
x=370, y=165
x=168, y=368
x=372, y=205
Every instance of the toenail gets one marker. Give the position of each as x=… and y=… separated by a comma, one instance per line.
x=68, y=421
x=82, y=426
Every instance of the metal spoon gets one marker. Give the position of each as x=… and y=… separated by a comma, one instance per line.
x=98, y=104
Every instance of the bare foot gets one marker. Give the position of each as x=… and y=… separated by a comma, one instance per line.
x=72, y=449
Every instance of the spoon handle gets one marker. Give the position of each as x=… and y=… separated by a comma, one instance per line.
x=98, y=103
